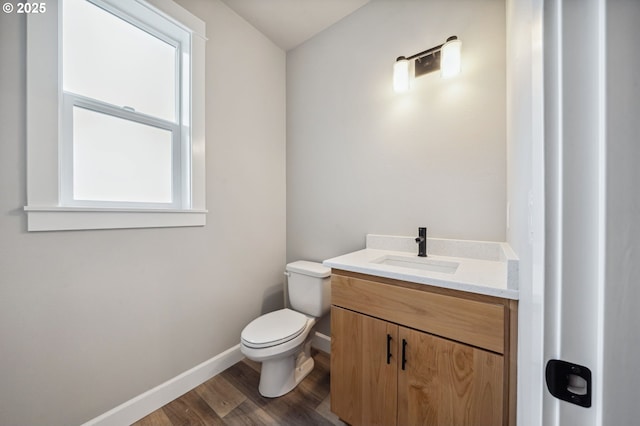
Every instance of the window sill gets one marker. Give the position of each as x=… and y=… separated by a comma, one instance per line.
x=77, y=218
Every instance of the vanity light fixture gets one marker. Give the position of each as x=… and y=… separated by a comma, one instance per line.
x=445, y=57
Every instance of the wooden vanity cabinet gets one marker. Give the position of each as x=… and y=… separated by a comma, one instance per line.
x=364, y=386
x=406, y=354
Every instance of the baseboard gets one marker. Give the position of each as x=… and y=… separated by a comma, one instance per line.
x=143, y=404
x=149, y=401
x=321, y=342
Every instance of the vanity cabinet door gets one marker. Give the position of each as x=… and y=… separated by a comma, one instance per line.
x=364, y=384
x=443, y=382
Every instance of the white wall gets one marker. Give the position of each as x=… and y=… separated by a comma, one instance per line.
x=525, y=194
x=90, y=319
x=361, y=159
x=622, y=291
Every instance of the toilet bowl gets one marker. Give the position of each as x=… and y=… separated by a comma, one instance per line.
x=285, y=360
x=281, y=340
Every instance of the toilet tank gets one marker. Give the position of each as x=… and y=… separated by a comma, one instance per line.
x=309, y=287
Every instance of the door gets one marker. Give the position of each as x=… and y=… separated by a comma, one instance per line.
x=442, y=382
x=363, y=368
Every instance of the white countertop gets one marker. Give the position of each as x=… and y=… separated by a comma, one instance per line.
x=489, y=268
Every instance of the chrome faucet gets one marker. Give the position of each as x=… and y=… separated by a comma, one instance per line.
x=422, y=242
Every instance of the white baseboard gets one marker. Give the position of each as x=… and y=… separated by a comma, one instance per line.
x=143, y=404
x=149, y=401
x=321, y=342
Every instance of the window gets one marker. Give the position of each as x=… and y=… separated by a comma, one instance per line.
x=124, y=117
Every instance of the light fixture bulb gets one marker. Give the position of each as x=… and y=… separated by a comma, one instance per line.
x=450, y=57
x=401, y=75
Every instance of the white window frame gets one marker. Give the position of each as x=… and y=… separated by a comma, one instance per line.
x=49, y=172
x=71, y=100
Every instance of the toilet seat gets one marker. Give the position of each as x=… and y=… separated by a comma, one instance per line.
x=274, y=328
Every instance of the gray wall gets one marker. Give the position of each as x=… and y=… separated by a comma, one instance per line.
x=621, y=313
x=361, y=159
x=90, y=319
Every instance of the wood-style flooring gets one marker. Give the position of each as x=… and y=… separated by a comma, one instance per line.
x=232, y=398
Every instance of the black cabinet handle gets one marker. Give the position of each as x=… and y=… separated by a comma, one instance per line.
x=404, y=352
x=388, y=349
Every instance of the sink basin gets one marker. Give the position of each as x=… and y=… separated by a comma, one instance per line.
x=421, y=263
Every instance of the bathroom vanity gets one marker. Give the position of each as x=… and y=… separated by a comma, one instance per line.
x=416, y=341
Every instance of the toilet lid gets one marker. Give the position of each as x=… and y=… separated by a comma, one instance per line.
x=273, y=328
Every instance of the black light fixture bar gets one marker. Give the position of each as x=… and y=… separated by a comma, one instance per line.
x=424, y=53
x=428, y=60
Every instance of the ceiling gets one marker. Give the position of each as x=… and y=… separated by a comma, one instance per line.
x=289, y=23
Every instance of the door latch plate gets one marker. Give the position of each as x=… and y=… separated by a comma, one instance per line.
x=569, y=382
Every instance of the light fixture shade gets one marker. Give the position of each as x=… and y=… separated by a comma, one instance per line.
x=450, y=57
x=401, y=75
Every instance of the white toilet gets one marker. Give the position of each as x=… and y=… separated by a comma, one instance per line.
x=281, y=340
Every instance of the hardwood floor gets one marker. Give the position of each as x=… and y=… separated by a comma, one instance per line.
x=232, y=398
